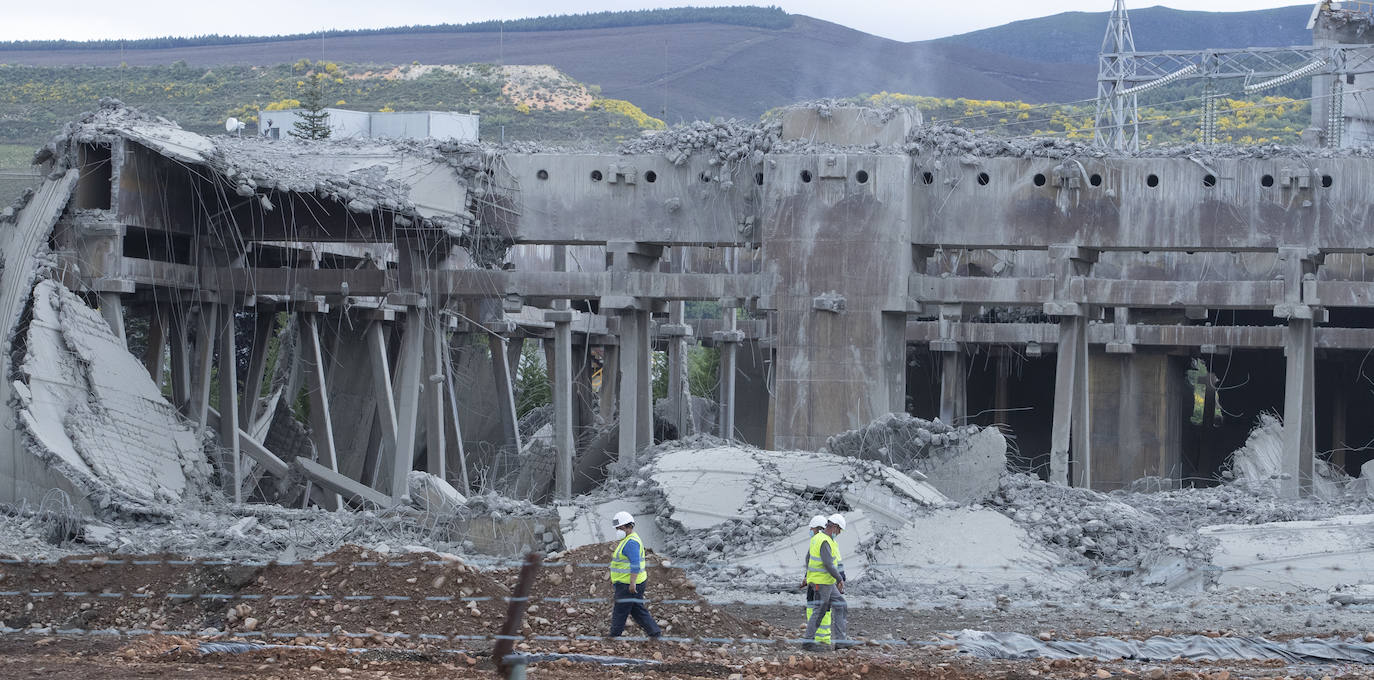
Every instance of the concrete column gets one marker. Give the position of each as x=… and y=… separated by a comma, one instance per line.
x=433, y=386
x=264, y=326
x=112, y=309
x=458, y=456
x=321, y=425
x=561, y=370
x=181, y=360
x=1069, y=388
x=157, y=343
x=1299, y=418
x=504, y=374
x=630, y=359
x=207, y=327
x=953, y=388
x=380, y=368
x=679, y=392
x=610, y=380
x=228, y=399
x=644, y=412
x=407, y=389
x=728, y=341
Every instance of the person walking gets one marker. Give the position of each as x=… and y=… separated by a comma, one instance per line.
x=629, y=571
x=817, y=525
x=823, y=570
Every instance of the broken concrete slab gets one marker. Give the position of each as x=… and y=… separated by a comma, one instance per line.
x=432, y=494
x=1294, y=555
x=337, y=483
x=964, y=463
x=592, y=523
x=90, y=411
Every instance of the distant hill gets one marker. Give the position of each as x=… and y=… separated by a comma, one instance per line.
x=700, y=69
x=1076, y=37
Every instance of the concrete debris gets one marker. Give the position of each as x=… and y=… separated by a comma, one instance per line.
x=433, y=495
x=90, y=411
x=1258, y=465
x=964, y=463
x=1319, y=554
x=730, y=143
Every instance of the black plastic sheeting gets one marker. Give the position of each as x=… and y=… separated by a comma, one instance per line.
x=1159, y=648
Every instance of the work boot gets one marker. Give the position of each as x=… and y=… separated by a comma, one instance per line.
x=845, y=644
x=814, y=647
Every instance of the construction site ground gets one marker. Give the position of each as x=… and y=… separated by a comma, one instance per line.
x=925, y=626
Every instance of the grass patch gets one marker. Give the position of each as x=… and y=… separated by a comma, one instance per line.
x=16, y=155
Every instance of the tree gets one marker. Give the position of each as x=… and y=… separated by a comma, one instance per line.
x=314, y=120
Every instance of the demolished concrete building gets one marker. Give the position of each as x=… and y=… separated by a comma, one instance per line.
x=381, y=291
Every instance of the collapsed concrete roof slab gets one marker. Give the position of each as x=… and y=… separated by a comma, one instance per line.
x=90, y=410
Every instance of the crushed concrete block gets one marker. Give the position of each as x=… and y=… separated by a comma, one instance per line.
x=432, y=494
x=97, y=534
x=1258, y=464
x=243, y=527
x=968, y=547
x=587, y=524
x=706, y=487
x=964, y=463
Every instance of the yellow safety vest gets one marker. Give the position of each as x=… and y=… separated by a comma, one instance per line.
x=815, y=568
x=620, y=564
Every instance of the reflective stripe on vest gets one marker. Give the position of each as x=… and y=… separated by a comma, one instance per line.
x=815, y=568
x=620, y=564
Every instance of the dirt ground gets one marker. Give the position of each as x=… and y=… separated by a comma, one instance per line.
x=349, y=640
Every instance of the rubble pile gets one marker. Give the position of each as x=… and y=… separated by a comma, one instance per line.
x=1094, y=530
x=964, y=463
x=729, y=142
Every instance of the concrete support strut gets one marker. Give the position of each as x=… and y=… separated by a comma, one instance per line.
x=433, y=384
x=321, y=425
x=562, y=369
x=953, y=388
x=1070, y=406
x=229, y=399
x=1299, y=417
x=407, y=389
x=728, y=340
x=630, y=351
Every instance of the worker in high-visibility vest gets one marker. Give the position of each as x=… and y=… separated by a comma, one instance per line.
x=823, y=571
x=817, y=525
x=629, y=571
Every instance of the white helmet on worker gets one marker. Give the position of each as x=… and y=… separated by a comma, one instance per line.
x=817, y=522
x=837, y=519
x=622, y=518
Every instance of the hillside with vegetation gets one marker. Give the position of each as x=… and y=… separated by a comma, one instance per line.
x=521, y=102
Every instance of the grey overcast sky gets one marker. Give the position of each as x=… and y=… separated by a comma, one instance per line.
x=897, y=19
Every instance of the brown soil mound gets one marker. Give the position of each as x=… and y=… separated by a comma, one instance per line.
x=583, y=574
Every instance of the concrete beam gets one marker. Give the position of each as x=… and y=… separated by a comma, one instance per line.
x=229, y=398
x=1299, y=409
x=321, y=425
x=340, y=486
x=562, y=369
x=407, y=389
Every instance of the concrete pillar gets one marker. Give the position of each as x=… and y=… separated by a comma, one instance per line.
x=1137, y=401
x=630, y=359
x=407, y=389
x=1001, y=396
x=112, y=309
x=679, y=390
x=157, y=343
x=1299, y=418
x=228, y=399
x=1070, y=395
x=457, y=452
x=321, y=424
x=264, y=327
x=728, y=341
x=433, y=385
x=644, y=411
x=562, y=383
x=181, y=360
x=953, y=387
x=379, y=363
x=207, y=327
x=610, y=380
x=504, y=374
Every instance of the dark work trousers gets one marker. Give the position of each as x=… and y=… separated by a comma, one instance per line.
x=636, y=609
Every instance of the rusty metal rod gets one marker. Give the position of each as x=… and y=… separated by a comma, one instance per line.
x=515, y=616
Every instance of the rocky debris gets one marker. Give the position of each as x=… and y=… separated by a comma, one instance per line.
x=964, y=463
x=1258, y=465
x=432, y=494
x=729, y=143
x=1100, y=533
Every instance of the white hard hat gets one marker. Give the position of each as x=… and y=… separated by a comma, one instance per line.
x=837, y=519
x=622, y=518
x=817, y=522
